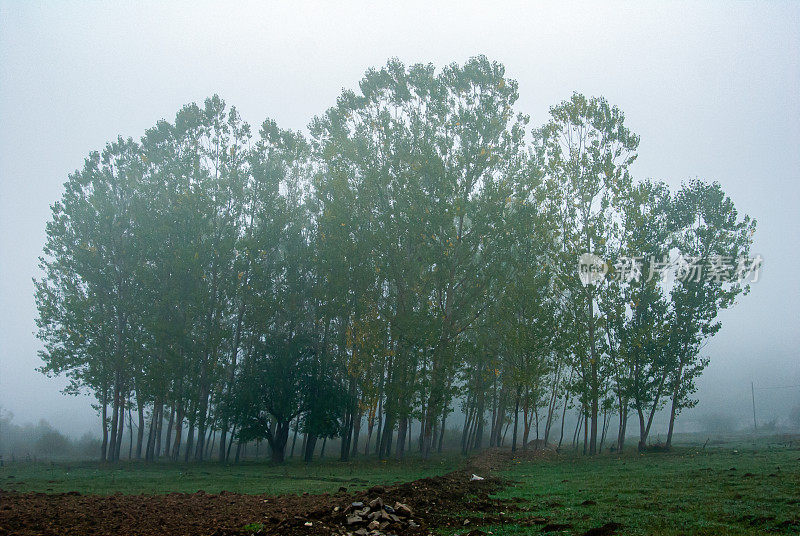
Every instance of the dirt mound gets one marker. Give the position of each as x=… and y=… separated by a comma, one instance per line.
x=494, y=459
x=175, y=513
x=430, y=501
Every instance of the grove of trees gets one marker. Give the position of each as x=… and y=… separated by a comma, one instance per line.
x=416, y=254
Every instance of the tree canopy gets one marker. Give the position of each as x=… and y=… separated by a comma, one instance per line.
x=417, y=253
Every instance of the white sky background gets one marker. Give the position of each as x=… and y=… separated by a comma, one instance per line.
x=713, y=90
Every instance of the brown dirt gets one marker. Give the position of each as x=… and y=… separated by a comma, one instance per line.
x=435, y=501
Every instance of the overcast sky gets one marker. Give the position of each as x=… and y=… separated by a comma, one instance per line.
x=713, y=90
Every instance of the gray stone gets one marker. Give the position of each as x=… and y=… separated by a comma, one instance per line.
x=354, y=520
x=402, y=509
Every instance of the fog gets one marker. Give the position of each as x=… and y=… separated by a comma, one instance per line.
x=713, y=90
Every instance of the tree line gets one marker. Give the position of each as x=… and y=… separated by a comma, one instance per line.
x=416, y=253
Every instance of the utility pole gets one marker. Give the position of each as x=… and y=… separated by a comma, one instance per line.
x=753, y=394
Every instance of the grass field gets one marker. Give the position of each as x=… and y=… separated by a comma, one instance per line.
x=689, y=491
x=729, y=489
x=246, y=477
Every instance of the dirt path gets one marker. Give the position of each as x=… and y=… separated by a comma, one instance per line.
x=409, y=508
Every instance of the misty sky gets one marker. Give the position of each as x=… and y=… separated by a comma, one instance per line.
x=713, y=90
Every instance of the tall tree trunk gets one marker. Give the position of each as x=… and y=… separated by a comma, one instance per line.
x=120, y=428
x=130, y=432
x=387, y=431
x=350, y=417
x=210, y=441
x=552, y=405
x=370, y=425
x=357, y=431
x=159, y=426
x=563, y=419
x=402, y=429
x=527, y=421
x=421, y=437
x=170, y=423
x=441, y=431
x=310, y=445
x=604, y=429
x=673, y=412
x=104, y=417
x=176, y=445
x=472, y=442
x=201, y=419
x=577, y=429
x=151, y=434
x=516, y=421
x=237, y=337
x=585, y=433
x=230, y=444
x=379, y=432
x=140, y=432
x=623, y=424
x=480, y=421
x=644, y=428
x=386, y=440
x=494, y=413
x=114, y=420
x=500, y=417
x=189, y=440
x=468, y=415
x=594, y=379
x=595, y=402
x=294, y=437
x=277, y=441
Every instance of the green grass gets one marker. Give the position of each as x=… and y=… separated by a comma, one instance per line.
x=688, y=491
x=247, y=477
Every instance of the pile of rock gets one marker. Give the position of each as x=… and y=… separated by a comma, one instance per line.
x=378, y=519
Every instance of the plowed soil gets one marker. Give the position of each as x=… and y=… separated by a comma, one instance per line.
x=434, y=501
